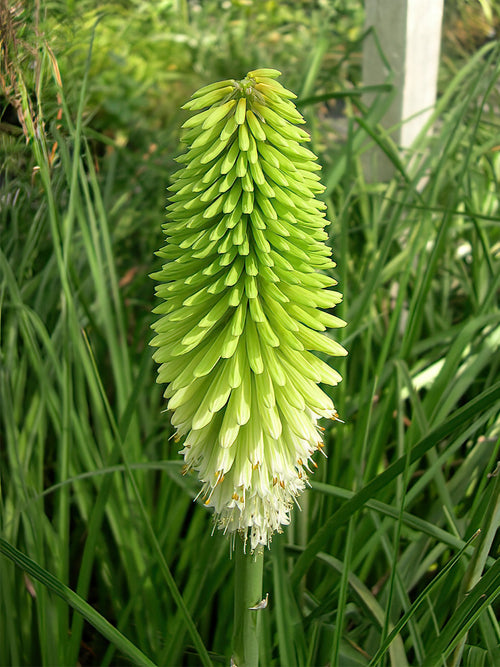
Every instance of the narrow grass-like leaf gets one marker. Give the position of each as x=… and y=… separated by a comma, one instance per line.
x=76, y=602
x=484, y=593
x=281, y=601
x=481, y=403
x=413, y=609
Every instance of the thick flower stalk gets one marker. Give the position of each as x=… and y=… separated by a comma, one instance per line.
x=244, y=289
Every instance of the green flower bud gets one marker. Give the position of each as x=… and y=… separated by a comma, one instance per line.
x=243, y=286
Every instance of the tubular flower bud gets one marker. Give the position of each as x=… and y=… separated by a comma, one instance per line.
x=245, y=288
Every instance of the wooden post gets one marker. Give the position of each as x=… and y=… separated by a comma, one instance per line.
x=409, y=35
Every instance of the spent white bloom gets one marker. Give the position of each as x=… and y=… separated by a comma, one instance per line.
x=244, y=290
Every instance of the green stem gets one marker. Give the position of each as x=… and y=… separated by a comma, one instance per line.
x=247, y=593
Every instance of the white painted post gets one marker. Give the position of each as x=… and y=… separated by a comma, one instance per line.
x=409, y=34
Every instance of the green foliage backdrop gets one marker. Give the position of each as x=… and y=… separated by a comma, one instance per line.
x=383, y=564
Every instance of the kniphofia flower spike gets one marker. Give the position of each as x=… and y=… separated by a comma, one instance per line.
x=244, y=290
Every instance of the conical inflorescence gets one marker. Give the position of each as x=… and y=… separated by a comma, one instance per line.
x=244, y=292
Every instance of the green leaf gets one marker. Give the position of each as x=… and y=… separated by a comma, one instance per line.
x=481, y=404
x=77, y=603
x=477, y=600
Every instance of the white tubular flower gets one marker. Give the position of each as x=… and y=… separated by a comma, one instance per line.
x=243, y=289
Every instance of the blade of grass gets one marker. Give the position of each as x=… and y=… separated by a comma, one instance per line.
x=491, y=524
x=342, y=600
x=482, y=403
x=76, y=602
x=283, y=604
x=478, y=599
x=420, y=599
x=169, y=579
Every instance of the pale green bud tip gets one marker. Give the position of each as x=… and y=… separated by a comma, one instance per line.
x=244, y=288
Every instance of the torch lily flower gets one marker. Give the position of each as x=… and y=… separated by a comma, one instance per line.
x=245, y=291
